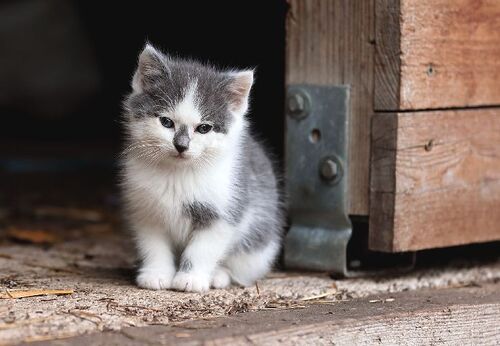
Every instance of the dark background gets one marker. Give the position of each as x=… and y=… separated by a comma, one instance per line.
x=66, y=65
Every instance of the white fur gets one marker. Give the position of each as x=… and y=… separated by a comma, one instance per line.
x=221, y=278
x=246, y=268
x=186, y=111
x=206, y=248
x=158, y=269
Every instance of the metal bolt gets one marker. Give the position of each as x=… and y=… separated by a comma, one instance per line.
x=297, y=104
x=329, y=169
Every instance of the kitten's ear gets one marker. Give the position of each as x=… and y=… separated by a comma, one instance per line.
x=239, y=89
x=151, y=64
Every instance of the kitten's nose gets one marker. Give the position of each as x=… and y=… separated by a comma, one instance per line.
x=181, y=139
x=181, y=147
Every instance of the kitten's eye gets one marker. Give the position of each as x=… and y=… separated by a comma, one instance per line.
x=166, y=122
x=204, y=128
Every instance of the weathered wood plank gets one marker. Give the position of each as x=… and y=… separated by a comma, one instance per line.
x=387, y=62
x=468, y=316
x=435, y=180
x=437, y=54
x=330, y=42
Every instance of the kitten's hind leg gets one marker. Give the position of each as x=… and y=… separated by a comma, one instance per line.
x=247, y=267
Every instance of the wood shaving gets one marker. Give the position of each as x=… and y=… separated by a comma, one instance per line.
x=17, y=294
x=34, y=236
x=182, y=335
x=319, y=296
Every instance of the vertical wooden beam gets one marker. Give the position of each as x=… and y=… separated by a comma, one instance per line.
x=387, y=54
x=330, y=42
x=383, y=181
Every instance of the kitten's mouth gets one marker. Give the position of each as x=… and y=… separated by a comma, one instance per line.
x=180, y=157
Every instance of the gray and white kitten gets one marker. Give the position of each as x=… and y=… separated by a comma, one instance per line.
x=201, y=195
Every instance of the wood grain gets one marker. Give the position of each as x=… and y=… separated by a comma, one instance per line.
x=469, y=316
x=437, y=54
x=435, y=180
x=387, y=59
x=330, y=42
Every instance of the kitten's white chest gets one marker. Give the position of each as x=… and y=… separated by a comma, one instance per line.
x=171, y=192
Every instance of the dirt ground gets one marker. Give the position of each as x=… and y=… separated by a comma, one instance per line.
x=99, y=269
x=82, y=249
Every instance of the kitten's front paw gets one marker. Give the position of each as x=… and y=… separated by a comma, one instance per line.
x=221, y=279
x=190, y=282
x=154, y=279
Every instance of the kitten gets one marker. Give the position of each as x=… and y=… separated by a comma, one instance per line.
x=201, y=195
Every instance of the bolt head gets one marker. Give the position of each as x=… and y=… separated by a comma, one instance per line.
x=329, y=169
x=297, y=104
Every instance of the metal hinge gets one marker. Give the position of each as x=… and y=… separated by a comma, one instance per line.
x=317, y=133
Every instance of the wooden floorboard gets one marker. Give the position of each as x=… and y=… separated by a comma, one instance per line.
x=467, y=315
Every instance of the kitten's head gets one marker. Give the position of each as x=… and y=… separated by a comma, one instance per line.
x=182, y=112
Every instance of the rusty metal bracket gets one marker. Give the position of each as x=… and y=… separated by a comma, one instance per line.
x=316, y=156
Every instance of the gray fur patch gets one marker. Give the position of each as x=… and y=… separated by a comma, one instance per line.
x=181, y=138
x=259, y=190
x=261, y=235
x=240, y=198
x=185, y=266
x=202, y=215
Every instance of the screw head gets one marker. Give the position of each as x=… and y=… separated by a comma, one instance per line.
x=297, y=104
